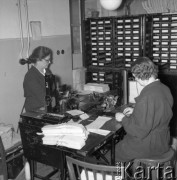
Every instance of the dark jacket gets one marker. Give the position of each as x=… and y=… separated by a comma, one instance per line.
x=34, y=90
x=148, y=127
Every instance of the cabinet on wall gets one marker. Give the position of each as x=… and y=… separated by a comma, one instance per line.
x=117, y=41
x=113, y=42
x=163, y=41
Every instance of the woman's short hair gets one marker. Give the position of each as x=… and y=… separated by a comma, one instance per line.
x=143, y=68
x=40, y=53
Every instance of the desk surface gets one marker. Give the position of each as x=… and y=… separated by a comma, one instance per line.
x=93, y=142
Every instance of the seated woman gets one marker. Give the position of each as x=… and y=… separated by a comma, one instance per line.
x=147, y=124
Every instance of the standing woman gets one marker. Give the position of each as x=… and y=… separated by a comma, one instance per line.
x=34, y=81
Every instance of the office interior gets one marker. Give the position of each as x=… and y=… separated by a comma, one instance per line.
x=58, y=24
x=53, y=29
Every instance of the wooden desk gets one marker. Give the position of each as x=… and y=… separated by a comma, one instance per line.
x=54, y=156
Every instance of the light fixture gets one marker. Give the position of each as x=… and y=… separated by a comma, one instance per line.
x=110, y=4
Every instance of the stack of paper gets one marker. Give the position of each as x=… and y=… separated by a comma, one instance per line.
x=101, y=88
x=70, y=141
x=71, y=135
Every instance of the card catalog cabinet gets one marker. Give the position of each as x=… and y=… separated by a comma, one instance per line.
x=115, y=42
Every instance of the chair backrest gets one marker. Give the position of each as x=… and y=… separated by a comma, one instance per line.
x=86, y=171
x=3, y=164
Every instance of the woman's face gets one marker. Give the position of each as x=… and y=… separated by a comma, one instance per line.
x=139, y=81
x=44, y=63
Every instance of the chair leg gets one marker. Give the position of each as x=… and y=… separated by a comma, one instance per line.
x=33, y=167
x=175, y=168
x=6, y=174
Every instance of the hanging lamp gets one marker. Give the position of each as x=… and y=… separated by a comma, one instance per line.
x=110, y=4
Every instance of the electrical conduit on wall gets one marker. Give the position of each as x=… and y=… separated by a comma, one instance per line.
x=160, y=6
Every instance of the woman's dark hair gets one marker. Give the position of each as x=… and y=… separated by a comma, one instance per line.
x=143, y=68
x=40, y=53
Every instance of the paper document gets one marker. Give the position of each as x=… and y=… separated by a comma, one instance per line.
x=75, y=112
x=84, y=116
x=96, y=87
x=71, y=121
x=99, y=131
x=98, y=123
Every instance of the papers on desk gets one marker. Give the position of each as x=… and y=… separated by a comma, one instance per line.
x=70, y=135
x=95, y=126
x=70, y=141
x=75, y=112
x=73, y=129
x=84, y=116
x=98, y=122
x=99, y=131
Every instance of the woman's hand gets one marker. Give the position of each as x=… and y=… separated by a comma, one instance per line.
x=119, y=117
x=128, y=111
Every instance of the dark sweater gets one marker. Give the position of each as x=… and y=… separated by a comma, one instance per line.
x=147, y=128
x=34, y=89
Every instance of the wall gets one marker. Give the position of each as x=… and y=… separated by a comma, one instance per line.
x=136, y=7
x=55, y=33
x=54, y=17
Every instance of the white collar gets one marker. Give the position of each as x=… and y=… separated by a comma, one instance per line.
x=44, y=71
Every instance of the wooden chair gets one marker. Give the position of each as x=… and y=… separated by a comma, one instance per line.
x=86, y=171
x=3, y=163
x=158, y=167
